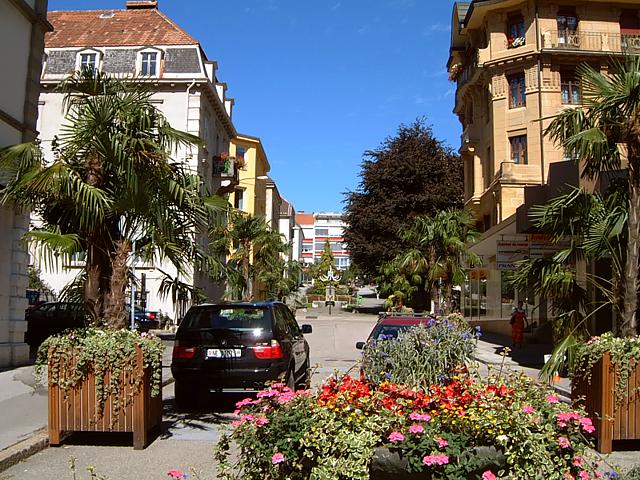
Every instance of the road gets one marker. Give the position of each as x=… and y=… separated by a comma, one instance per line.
x=187, y=437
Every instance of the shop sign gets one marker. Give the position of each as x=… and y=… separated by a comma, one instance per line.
x=509, y=252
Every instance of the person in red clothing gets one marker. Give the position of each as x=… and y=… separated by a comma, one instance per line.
x=518, y=321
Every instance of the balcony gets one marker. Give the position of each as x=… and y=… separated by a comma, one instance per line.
x=468, y=70
x=591, y=42
x=224, y=174
x=516, y=173
x=223, y=167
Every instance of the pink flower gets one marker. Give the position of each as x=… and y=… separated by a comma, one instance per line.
x=488, y=475
x=416, y=429
x=417, y=417
x=267, y=394
x=244, y=403
x=568, y=476
x=564, y=442
x=286, y=397
x=277, y=458
x=441, y=442
x=431, y=460
x=173, y=473
x=247, y=418
x=261, y=421
x=587, y=425
x=584, y=475
x=578, y=461
x=552, y=399
x=396, y=437
x=528, y=409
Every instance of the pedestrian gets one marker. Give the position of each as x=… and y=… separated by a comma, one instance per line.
x=518, y=321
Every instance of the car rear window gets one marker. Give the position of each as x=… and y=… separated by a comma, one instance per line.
x=241, y=319
x=382, y=332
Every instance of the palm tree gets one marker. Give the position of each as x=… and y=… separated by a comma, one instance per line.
x=110, y=185
x=609, y=118
x=438, y=251
x=585, y=226
x=252, y=249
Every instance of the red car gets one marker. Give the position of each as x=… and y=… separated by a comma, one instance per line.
x=389, y=325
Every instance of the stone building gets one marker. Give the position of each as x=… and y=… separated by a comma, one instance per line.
x=514, y=64
x=142, y=43
x=23, y=24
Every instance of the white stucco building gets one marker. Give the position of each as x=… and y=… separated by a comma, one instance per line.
x=141, y=42
x=23, y=24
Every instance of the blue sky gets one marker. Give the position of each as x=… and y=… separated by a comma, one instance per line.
x=321, y=81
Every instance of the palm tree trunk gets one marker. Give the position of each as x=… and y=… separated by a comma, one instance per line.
x=246, y=264
x=630, y=322
x=115, y=315
x=97, y=275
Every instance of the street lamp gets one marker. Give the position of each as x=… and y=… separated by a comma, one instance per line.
x=330, y=277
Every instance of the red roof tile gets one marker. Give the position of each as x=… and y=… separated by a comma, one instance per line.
x=113, y=28
x=304, y=218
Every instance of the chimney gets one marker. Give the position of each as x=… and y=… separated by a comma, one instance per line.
x=142, y=4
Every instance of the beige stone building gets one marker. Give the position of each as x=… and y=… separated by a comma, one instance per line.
x=23, y=24
x=514, y=63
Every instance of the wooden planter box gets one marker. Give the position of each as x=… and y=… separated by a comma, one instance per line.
x=612, y=421
x=77, y=410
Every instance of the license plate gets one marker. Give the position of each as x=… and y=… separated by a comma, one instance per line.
x=224, y=353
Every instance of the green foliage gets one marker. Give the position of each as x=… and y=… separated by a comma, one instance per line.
x=435, y=256
x=71, y=356
x=35, y=280
x=625, y=355
x=409, y=174
x=610, y=117
x=632, y=474
x=423, y=355
x=111, y=183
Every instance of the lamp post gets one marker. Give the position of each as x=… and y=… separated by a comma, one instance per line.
x=330, y=277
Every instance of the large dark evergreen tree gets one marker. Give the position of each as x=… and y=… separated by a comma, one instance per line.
x=410, y=174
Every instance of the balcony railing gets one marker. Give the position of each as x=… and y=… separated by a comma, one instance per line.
x=469, y=69
x=591, y=41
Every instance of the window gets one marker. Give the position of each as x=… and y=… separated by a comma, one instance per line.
x=322, y=232
x=518, y=149
x=515, y=30
x=570, y=89
x=88, y=61
x=517, y=94
x=630, y=30
x=567, y=22
x=149, y=64
x=239, y=200
x=343, y=262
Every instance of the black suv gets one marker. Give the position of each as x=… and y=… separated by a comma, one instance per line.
x=238, y=346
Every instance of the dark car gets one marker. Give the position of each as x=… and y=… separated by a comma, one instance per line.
x=145, y=321
x=238, y=346
x=51, y=318
x=389, y=326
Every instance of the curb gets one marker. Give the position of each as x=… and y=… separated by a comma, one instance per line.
x=37, y=442
x=565, y=394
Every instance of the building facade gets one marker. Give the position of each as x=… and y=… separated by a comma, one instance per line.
x=23, y=24
x=273, y=203
x=250, y=194
x=514, y=63
x=141, y=43
x=318, y=228
x=290, y=230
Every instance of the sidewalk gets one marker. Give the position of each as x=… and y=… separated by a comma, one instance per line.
x=528, y=358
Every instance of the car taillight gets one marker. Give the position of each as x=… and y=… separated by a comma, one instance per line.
x=184, y=352
x=151, y=315
x=268, y=350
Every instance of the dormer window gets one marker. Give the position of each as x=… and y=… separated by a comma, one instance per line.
x=149, y=63
x=88, y=60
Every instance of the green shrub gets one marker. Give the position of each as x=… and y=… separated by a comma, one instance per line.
x=422, y=356
x=633, y=474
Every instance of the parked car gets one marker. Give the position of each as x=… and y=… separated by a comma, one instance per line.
x=145, y=321
x=51, y=318
x=238, y=347
x=389, y=325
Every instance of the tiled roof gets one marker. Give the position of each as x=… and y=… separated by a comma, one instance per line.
x=304, y=218
x=113, y=28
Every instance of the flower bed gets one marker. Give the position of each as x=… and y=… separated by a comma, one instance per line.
x=510, y=428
